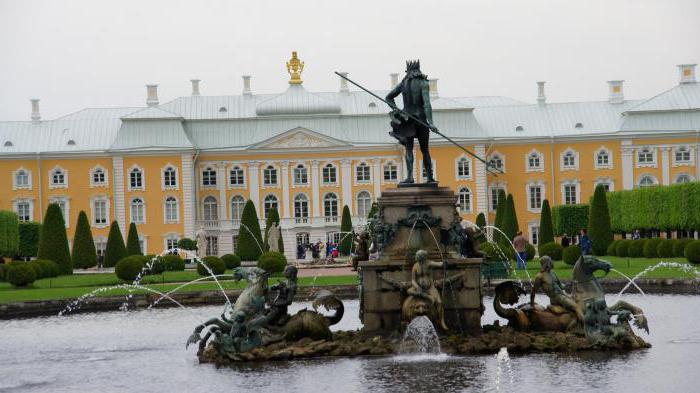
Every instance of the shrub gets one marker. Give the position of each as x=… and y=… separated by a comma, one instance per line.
x=20, y=274
x=156, y=263
x=133, y=246
x=665, y=248
x=599, y=222
x=636, y=248
x=129, y=268
x=173, y=263
x=9, y=233
x=571, y=255
x=231, y=261
x=272, y=262
x=3, y=271
x=611, y=248
x=50, y=268
x=84, y=254
x=622, y=247
x=546, y=225
x=249, y=238
x=216, y=265
x=345, y=228
x=497, y=251
x=679, y=247
x=38, y=269
x=692, y=252
x=29, y=238
x=530, y=252
x=569, y=218
x=510, y=219
x=53, y=242
x=650, y=246
x=187, y=244
x=115, y=250
x=552, y=250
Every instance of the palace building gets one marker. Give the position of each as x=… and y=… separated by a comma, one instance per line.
x=193, y=162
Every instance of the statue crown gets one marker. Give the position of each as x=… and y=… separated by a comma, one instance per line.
x=412, y=65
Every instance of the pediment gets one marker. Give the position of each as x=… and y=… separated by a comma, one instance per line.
x=299, y=138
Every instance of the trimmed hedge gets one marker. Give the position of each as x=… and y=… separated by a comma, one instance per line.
x=571, y=255
x=133, y=246
x=510, y=219
x=84, y=253
x=20, y=274
x=53, y=242
x=692, y=252
x=599, y=222
x=249, y=238
x=187, y=244
x=157, y=264
x=9, y=233
x=501, y=208
x=3, y=271
x=345, y=227
x=272, y=262
x=552, y=250
x=49, y=269
x=665, y=248
x=129, y=268
x=29, y=239
x=611, y=248
x=546, y=224
x=570, y=219
x=173, y=263
x=115, y=250
x=636, y=248
x=216, y=265
x=679, y=247
x=622, y=247
x=480, y=220
x=231, y=261
x=650, y=247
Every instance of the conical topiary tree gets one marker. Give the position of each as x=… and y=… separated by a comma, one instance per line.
x=53, y=242
x=272, y=216
x=345, y=228
x=599, y=222
x=84, y=254
x=546, y=224
x=481, y=220
x=510, y=219
x=133, y=246
x=249, y=237
x=115, y=250
x=500, y=213
x=9, y=234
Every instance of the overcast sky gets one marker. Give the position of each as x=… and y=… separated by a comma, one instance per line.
x=77, y=54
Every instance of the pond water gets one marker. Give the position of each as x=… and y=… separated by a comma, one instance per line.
x=144, y=351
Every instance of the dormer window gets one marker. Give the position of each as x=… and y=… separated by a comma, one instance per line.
x=223, y=109
x=578, y=126
x=519, y=128
x=8, y=144
x=71, y=142
x=372, y=105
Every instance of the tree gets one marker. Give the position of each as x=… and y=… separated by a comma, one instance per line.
x=345, y=232
x=569, y=219
x=546, y=224
x=115, y=250
x=9, y=234
x=272, y=216
x=53, y=242
x=133, y=246
x=249, y=239
x=29, y=233
x=599, y=222
x=500, y=212
x=84, y=254
x=481, y=220
x=510, y=219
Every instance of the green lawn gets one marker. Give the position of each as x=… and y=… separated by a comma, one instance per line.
x=628, y=266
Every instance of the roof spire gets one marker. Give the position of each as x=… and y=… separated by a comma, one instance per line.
x=295, y=68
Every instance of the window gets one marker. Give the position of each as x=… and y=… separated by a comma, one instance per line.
x=212, y=245
x=578, y=126
x=570, y=194
x=171, y=242
x=535, y=197
x=270, y=202
x=209, y=177
x=171, y=209
x=605, y=185
x=391, y=172
x=301, y=176
x=463, y=168
x=333, y=237
x=211, y=209
x=24, y=211
x=647, y=181
x=100, y=246
x=330, y=174
x=519, y=128
x=99, y=209
x=330, y=207
x=424, y=174
x=301, y=208
x=169, y=178
x=98, y=176
x=569, y=160
x=63, y=204
x=683, y=178
x=682, y=155
x=645, y=156
x=270, y=176
x=136, y=178
x=465, y=200
x=142, y=245
x=496, y=162
x=534, y=161
x=362, y=173
x=22, y=179
x=237, y=205
x=494, y=196
x=534, y=235
x=364, y=203
x=302, y=238
x=236, y=176
x=137, y=211
x=58, y=177
x=602, y=159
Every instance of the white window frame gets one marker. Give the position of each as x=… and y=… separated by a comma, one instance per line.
x=264, y=207
x=103, y=183
x=143, y=244
x=15, y=185
x=689, y=162
x=234, y=220
x=170, y=237
x=212, y=248
x=216, y=217
x=543, y=196
x=228, y=176
x=209, y=168
x=600, y=150
x=366, y=166
x=53, y=185
x=94, y=200
x=531, y=230
x=501, y=157
x=100, y=245
x=297, y=167
x=469, y=200
x=493, y=190
x=325, y=166
x=566, y=183
x=641, y=177
x=66, y=207
x=460, y=160
x=357, y=202
x=132, y=211
x=276, y=170
x=605, y=180
x=167, y=167
x=654, y=159
x=331, y=218
x=29, y=202
x=690, y=177
x=165, y=210
x=540, y=157
x=142, y=187
x=384, y=170
x=564, y=154
x=301, y=218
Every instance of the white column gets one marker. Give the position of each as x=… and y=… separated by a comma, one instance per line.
x=254, y=184
x=482, y=199
x=346, y=183
x=665, y=166
x=315, y=191
x=377, y=177
x=221, y=186
x=188, y=208
x=118, y=176
x=627, y=165
x=285, y=189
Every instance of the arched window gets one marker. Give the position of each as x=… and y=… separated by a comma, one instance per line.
x=463, y=168
x=136, y=178
x=330, y=174
x=465, y=200
x=391, y=172
x=682, y=155
x=237, y=205
x=645, y=156
x=364, y=203
x=171, y=209
x=683, y=178
x=270, y=202
x=569, y=160
x=301, y=176
x=647, y=181
x=211, y=209
x=137, y=211
x=169, y=177
x=362, y=173
x=496, y=162
x=209, y=177
x=22, y=179
x=534, y=161
x=58, y=177
x=236, y=176
x=270, y=176
x=330, y=207
x=301, y=208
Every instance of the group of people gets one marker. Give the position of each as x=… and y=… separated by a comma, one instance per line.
x=328, y=250
x=520, y=244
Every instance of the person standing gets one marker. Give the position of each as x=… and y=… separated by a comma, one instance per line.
x=585, y=243
x=520, y=244
x=565, y=241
